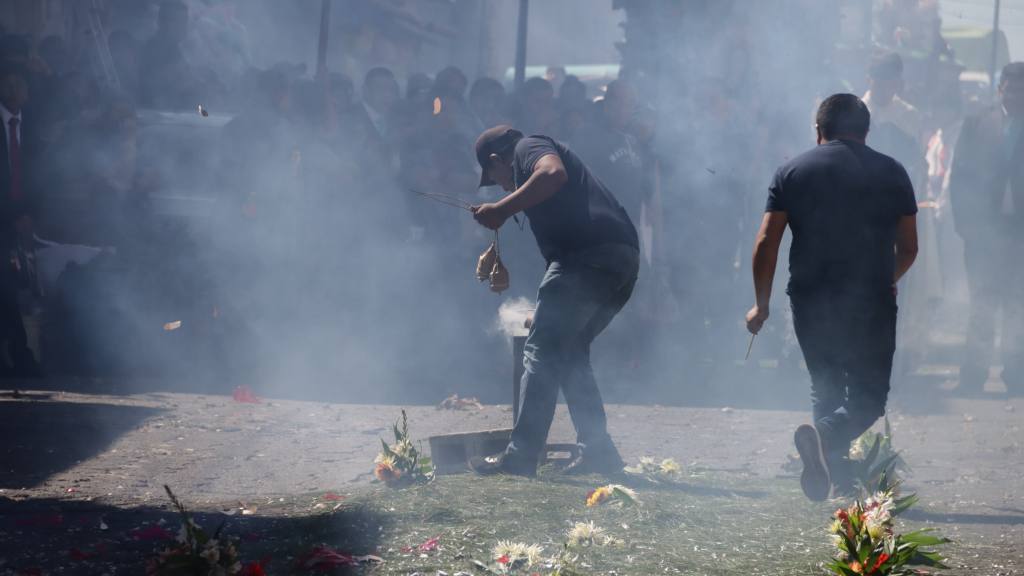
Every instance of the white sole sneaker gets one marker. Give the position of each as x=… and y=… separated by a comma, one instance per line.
x=815, y=479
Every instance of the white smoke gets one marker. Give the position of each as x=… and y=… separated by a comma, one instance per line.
x=512, y=316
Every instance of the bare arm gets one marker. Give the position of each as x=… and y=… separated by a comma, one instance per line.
x=766, y=257
x=906, y=245
x=547, y=178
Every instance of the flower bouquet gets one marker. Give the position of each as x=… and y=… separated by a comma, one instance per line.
x=401, y=464
x=667, y=470
x=196, y=552
x=866, y=541
x=513, y=556
x=873, y=460
x=615, y=493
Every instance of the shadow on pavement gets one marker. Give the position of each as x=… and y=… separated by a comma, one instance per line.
x=958, y=518
x=43, y=436
x=49, y=536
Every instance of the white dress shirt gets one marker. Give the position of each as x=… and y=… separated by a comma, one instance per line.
x=6, y=116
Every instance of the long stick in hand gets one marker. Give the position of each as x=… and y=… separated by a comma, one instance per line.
x=454, y=201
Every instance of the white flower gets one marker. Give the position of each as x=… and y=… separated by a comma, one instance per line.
x=211, y=552
x=670, y=467
x=878, y=508
x=857, y=450
x=875, y=528
x=586, y=534
x=518, y=552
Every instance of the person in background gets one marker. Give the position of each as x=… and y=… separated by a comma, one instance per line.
x=487, y=101
x=852, y=214
x=612, y=151
x=18, y=208
x=536, y=112
x=555, y=75
x=370, y=120
x=898, y=130
x=450, y=90
x=573, y=108
x=897, y=127
x=592, y=251
x=986, y=190
x=166, y=79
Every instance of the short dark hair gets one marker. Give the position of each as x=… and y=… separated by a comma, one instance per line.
x=888, y=66
x=1012, y=71
x=843, y=115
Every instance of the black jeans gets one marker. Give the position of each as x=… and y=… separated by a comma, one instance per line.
x=848, y=343
x=577, y=299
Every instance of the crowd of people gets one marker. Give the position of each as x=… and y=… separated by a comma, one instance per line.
x=314, y=218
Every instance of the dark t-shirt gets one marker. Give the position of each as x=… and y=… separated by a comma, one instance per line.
x=843, y=201
x=581, y=215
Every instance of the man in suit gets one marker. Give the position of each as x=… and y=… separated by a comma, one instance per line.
x=17, y=207
x=987, y=195
x=370, y=120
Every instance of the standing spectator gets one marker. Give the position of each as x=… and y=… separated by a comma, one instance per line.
x=17, y=202
x=165, y=77
x=897, y=130
x=897, y=127
x=450, y=87
x=536, y=112
x=370, y=120
x=986, y=190
x=611, y=150
x=573, y=108
x=487, y=101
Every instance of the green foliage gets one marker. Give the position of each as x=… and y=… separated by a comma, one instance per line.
x=873, y=461
x=401, y=464
x=866, y=541
x=196, y=553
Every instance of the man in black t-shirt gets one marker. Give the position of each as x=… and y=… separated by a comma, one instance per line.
x=852, y=214
x=591, y=249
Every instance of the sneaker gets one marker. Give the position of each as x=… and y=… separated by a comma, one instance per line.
x=502, y=463
x=815, y=479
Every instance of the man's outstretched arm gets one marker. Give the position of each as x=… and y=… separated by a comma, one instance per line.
x=766, y=257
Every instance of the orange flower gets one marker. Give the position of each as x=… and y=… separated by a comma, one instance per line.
x=598, y=496
x=856, y=567
x=386, y=472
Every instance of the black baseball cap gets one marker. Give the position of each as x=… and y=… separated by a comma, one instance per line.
x=494, y=140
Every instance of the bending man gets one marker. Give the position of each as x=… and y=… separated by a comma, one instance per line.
x=592, y=255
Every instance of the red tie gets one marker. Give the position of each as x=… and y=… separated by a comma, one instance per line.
x=14, y=154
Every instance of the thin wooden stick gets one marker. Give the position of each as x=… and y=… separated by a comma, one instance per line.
x=445, y=199
x=750, y=347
